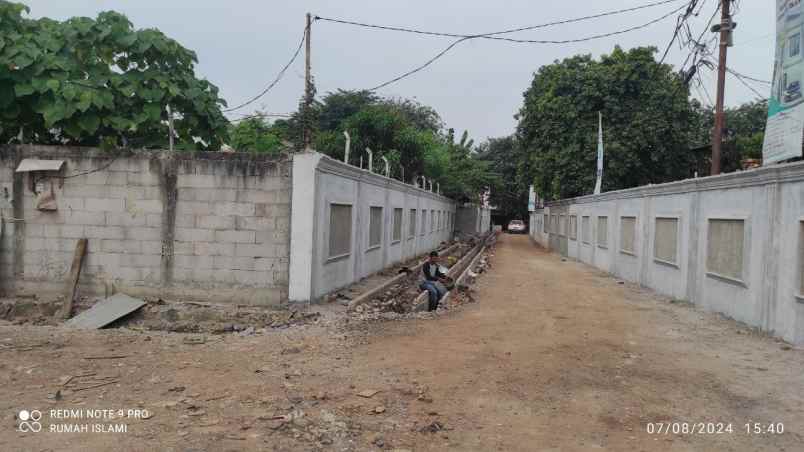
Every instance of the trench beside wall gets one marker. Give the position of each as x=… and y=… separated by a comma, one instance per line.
x=356, y=223
x=732, y=243
x=201, y=226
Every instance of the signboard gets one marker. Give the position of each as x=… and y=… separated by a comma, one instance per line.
x=783, y=133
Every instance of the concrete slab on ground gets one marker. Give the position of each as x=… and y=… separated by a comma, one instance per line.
x=106, y=312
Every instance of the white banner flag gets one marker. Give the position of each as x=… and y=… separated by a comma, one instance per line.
x=599, y=183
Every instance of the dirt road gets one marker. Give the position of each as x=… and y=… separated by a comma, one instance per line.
x=554, y=356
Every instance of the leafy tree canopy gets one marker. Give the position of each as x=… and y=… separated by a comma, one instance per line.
x=646, y=119
x=255, y=135
x=743, y=137
x=510, y=166
x=100, y=82
x=410, y=135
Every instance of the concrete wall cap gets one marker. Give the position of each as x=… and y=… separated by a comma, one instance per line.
x=790, y=172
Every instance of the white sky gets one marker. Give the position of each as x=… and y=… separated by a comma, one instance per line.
x=242, y=44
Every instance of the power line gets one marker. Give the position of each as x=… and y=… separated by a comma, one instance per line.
x=701, y=96
x=740, y=78
x=495, y=35
x=567, y=41
x=697, y=42
x=706, y=91
x=681, y=20
x=754, y=40
x=747, y=77
x=278, y=77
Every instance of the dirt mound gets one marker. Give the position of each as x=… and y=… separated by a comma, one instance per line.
x=160, y=315
x=214, y=319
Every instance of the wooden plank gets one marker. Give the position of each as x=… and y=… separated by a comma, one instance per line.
x=71, y=288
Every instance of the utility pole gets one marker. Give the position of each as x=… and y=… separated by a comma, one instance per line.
x=308, y=85
x=720, y=119
x=170, y=128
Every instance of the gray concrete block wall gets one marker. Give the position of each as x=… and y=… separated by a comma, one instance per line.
x=234, y=228
x=7, y=225
x=770, y=201
x=204, y=226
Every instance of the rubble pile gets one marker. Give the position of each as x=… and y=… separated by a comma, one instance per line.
x=214, y=319
x=160, y=315
x=481, y=266
x=30, y=311
x=398, y=299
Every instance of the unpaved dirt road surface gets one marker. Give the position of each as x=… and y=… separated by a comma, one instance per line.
x=554, y=356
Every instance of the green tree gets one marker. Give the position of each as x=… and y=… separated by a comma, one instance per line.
x=510, y=166
x=410, y=135
x=463, y=175
x=255, y=135
x=646, y=118
x=99, y=81
x=402, y=131
x=743, y=137
x=745, y=126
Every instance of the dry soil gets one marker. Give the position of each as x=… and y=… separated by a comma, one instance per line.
x=553, y=356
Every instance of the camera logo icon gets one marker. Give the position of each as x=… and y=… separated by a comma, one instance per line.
x=29, y=421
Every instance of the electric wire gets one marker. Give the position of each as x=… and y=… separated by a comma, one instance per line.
x=747, y=77
x=706, y=91
x=740, y=78
x=698, y=46
x=680, y=23
x=278, y=77
x=567, y=41
x=495, y=35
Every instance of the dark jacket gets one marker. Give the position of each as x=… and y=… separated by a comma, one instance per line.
x=432, y=272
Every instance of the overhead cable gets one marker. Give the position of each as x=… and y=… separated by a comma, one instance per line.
x=278, y=76
x=566, y=41
x=495, y=35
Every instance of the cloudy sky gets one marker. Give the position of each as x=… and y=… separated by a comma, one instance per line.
x=242, y=44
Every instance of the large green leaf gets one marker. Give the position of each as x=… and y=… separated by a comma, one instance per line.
x=120, y=123
x=22, y=61
x=127, y=40
x=69, y=91
x=73, y=129
x=39, y=84
x=102, y=99
x=23, y=90
x=153, y=111
x=89, y=122
x=56, y=111
x=84, y=101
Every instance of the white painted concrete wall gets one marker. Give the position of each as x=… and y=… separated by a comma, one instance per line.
x=770, y=201
x=473, y=219
x=336, y=182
